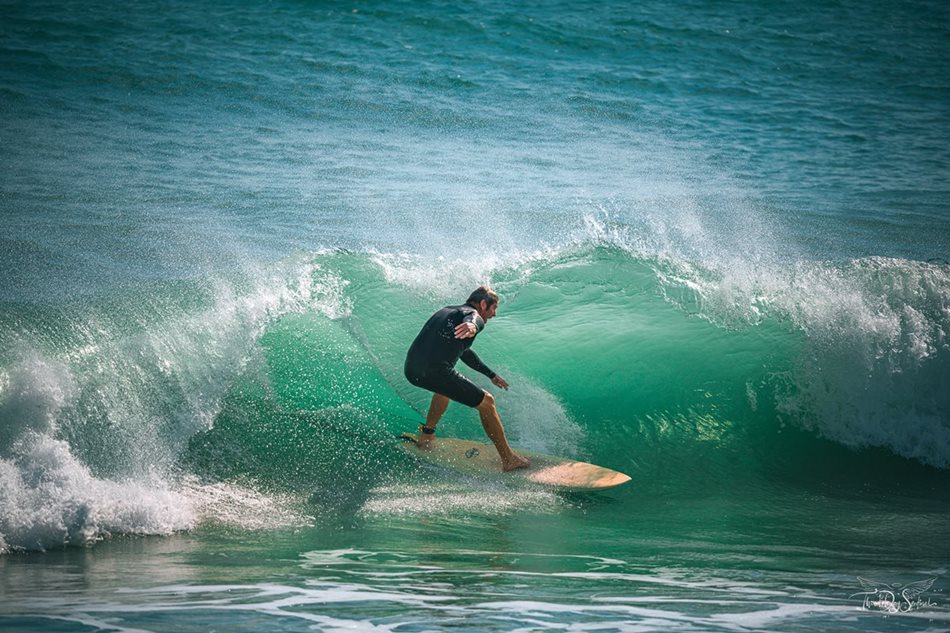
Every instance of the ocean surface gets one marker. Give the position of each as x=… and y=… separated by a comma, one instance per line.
x=720, y=231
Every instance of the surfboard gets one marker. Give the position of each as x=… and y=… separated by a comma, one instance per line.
x=482, y=459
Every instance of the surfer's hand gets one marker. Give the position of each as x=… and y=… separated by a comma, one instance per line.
x=465, y=329
x=498, y=381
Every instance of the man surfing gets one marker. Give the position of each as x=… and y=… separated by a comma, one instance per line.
x=445, y=338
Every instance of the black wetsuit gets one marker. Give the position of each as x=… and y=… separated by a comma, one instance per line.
x=431, y=360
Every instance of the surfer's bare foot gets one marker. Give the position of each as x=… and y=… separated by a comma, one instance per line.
x=515, y=462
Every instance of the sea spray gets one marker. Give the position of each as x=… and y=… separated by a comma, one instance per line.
x=49, y=499
x=96, y=410
x=874, y=353
x=631, y=361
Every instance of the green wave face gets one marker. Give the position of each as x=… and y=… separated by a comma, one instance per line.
x=287, y=382
x=614, y=359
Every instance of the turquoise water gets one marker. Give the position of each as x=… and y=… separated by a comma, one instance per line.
x=720, y=233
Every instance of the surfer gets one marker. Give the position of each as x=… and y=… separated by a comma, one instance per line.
x=445, y=338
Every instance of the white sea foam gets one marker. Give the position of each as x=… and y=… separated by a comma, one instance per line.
x=48, y=498
x=130, y=396
x=876, y=359
x=32, y=393
x=234, y=505
x=448, y=498
x=447, y=279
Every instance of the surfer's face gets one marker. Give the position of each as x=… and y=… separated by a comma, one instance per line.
x=486, y=310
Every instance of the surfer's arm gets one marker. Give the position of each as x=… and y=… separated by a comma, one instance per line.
x=471, y=359
x=471, y=325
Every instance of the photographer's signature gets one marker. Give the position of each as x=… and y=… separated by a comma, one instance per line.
x=895, y=597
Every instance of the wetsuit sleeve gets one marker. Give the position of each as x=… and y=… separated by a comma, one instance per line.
x=471, y=359
x=472, y=317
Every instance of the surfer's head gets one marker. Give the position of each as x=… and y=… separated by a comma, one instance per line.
x=485, y=301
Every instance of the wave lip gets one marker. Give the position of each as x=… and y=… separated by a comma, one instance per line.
x=872, y=335
x=875, y=363
x=856, y=352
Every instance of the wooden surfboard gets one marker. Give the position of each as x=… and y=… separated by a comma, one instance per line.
x=482, y=459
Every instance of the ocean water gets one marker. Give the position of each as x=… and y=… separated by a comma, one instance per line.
x=720, y=232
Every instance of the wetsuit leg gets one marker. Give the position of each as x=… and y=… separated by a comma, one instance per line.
x=450, y=384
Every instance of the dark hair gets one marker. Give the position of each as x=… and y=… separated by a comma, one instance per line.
x=482, y=293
